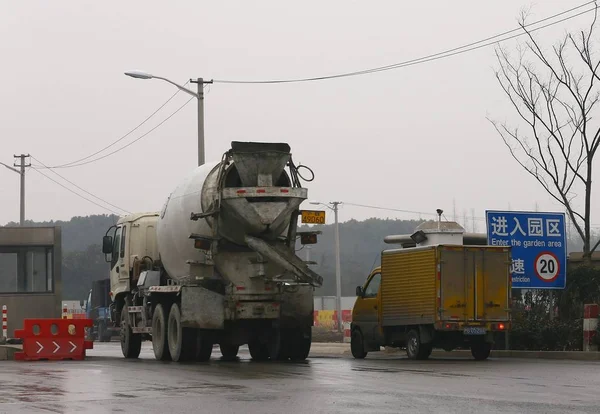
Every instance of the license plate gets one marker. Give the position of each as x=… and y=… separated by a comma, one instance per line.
x=474, y=330
x=313, y=217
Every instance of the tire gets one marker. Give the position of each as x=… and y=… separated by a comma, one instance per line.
x=101, y=331
x=275, y=346
x=427, y=350
x=131, y=344
x=481, y=350
x=299, y=344
x=203, y=346
x=160, y=343
x=416, y=350
x=357, y=344
x=181, y=340
x=258, y=351
x=229, y=351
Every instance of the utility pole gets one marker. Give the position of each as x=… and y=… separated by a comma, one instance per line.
x=338, y=275
x=201, y=82
x=21, y=171
x=22, y=166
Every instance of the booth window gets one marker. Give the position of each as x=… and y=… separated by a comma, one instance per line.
x=26, y=270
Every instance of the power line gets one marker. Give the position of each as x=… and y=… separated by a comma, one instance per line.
x=446, y=53
x=131, y=143
x=80, y=188
x=419, y=212
x=123, y=137
x=389, y=209
x=77, y=194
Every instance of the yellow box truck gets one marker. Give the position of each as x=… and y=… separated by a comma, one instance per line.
x=444, y=296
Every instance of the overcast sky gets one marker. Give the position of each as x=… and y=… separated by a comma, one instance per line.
x=415, y=138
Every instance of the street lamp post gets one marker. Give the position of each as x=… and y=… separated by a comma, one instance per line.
x=198, y=95
x=338, y=275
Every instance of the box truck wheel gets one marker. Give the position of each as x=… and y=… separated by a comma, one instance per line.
x=181, y=340
x=229, y=351
x=357, y=344
x=131, y=344
x=160, y=344
x=481, y=350
x=415, y=349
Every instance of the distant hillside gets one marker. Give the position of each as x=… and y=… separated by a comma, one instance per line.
x=361, y=243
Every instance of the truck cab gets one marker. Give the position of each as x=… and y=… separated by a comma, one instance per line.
x=130, y=247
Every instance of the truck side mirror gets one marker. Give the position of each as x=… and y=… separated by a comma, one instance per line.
x=107, y=244
x=359, y=291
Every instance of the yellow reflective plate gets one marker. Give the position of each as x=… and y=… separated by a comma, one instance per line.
x=313, y=217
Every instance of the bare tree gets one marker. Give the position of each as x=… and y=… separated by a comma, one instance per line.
x=555, y=94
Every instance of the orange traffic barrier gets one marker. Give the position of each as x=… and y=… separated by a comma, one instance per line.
x=53, y=339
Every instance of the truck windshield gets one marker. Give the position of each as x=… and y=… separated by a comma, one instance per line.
x=116, y=247
x=373, y=287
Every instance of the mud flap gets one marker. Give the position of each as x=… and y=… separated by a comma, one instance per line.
x=286, y=259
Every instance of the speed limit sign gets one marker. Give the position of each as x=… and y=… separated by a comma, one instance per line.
x=547, y=266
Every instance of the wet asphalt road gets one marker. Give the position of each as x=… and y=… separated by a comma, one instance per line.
x=106, y=382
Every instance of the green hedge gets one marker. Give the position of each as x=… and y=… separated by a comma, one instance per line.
x=553, y=321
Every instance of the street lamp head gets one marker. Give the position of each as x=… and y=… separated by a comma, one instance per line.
x=138, y=74
x=314, y=202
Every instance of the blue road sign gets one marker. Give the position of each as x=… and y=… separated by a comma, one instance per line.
x=538, y=243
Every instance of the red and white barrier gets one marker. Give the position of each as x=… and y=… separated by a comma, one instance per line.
x=346, y=331
x=590, y=327
x=4, y=322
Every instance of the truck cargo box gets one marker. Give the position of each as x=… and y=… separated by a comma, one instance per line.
x=432, y=284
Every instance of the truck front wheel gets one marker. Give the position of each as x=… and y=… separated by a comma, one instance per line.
x=415, y=349
x=131, y=344
x=357, y=344
x=160, y=344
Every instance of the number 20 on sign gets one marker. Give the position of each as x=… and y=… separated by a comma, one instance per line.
x=547, y=266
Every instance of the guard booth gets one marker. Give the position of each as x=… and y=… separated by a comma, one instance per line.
x=30, y=279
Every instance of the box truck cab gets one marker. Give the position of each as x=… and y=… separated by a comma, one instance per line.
x=444, y=296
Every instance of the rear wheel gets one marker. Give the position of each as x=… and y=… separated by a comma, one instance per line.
x=357, y=344
x=131, y=344
x=181, y=341
x=229, y=351
x=203, y=346
x=160, y=343
x=258, y=350
x=481, y=350
x=299, y=344
x=415, y=349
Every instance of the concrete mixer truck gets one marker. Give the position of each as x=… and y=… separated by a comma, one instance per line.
x=218, y=265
